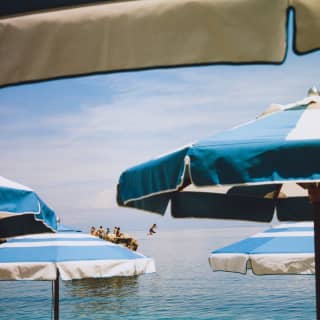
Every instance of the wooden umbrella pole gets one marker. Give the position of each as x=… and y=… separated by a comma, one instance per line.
x=314, y=195
x=56, y=297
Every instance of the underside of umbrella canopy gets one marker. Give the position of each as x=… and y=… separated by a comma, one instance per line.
x=49, y=39
x=284, y=249
x=21, y=224
x=251, y=203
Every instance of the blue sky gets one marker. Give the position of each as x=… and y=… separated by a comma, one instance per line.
x=70, y=139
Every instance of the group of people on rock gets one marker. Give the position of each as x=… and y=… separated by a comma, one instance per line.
x=106, y=234
x=116, y=237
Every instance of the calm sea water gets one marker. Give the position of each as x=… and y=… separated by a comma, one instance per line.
x=184, y=287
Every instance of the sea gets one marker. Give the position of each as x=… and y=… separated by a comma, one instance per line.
x=183, y=287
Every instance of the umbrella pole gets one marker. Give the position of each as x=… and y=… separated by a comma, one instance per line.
x=56, y=297
x=316, y=209
x=314, y=195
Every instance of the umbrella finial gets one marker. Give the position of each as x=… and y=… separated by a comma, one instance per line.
x=313, y=92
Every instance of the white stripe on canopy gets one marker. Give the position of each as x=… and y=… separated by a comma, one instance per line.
x=263, y=264
x=294, y=225
x=6, y=183
x=307, y=126
x=56, y=244
x=75, y=235
x=284, y=234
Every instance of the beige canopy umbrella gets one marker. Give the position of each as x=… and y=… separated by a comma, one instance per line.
x=91, y=37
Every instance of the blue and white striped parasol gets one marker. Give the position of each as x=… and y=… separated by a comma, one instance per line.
x=68, y=255
x=75, y=255
x=284, y=249
x=252, y=162
x=22, y=211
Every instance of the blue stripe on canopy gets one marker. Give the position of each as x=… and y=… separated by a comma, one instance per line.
x=155, y=176
x=245, y=246
x=17, y=240
x=68, y=253
x=270, y=245
x=18, y=201
x=64, y=228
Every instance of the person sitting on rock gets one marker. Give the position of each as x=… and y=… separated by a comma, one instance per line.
x=100, y=232
x=119, y=234
x=107, y=234
x=93, y=231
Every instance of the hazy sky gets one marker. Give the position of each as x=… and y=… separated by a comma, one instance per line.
x=70, y=139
